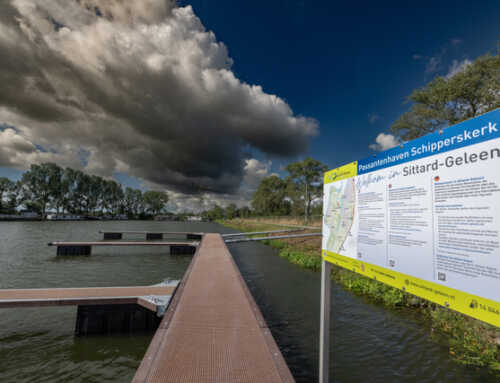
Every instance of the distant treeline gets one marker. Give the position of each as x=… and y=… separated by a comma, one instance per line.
x=298, y=194
x=49, y=188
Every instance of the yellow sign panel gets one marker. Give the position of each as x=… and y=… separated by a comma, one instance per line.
x=339, y=174
x=480, y=308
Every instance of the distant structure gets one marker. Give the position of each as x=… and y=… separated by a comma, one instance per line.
x=166, y=217
x=64, y=217
x=21, y=216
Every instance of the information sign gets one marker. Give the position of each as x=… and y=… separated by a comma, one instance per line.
x=424, y=217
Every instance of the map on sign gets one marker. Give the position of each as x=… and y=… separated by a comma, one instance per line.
x=339, y=215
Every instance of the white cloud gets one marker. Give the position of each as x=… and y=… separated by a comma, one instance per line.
x=416, y=57
x=17, y=151
x=255, y=171
x=457, y=67
x=432, y=65
x=384, y=142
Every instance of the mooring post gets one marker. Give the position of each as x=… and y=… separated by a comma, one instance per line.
x=152, y=236
x=182, y=250
x=324, y=336
x=74, y=250
x=112, y=236
x=114, y=318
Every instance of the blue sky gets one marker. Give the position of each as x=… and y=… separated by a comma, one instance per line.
x=348, y=65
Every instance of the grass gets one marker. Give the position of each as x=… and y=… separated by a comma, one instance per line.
x=470, y=342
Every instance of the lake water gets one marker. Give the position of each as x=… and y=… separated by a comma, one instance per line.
x=369, y=342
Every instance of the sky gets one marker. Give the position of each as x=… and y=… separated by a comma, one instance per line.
x=204, y=99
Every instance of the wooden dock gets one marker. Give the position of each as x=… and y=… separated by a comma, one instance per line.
x=84, y=296
x=123, y=243
x=213, y=331
x=85, y=248
x=151, y=235
x=101, y=310
x=151, y=232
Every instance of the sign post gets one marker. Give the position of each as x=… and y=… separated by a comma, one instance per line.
x=422, y=217
x=324, y=340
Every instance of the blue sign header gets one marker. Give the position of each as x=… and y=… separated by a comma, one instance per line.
x=470, y=132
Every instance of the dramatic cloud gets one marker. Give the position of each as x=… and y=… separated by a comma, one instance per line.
x=384, y=142
x=138, y=87
x=457, y=67
x=254, y=172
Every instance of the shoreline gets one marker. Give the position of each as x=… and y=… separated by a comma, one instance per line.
x=470, y=341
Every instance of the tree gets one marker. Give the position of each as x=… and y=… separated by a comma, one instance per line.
x=307, y=175
x=155, y=201
x=133, y=202
x=76, y=190
x=14, y=197
x=295, y=196
x=214, y=214
x=449, y=100
x=6, y=186
x=244, y=212
x=95, y=193
x=42, y=184
x=269, y=198
x=231, y=211
x=112, y=197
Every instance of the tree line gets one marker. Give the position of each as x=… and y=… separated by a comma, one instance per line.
x=297, y=194
x=50, y=188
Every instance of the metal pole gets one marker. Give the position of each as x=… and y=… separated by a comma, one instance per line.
x=273, y=237
x=260, y=232
x=324, y=336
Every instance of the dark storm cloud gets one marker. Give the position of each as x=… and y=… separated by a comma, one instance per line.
x=141, y=87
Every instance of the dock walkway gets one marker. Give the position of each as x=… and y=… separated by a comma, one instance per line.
x=213, y=331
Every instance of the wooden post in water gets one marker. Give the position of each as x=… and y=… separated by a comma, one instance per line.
x=324, y=336
x=74, y=250
x=151, y=236
x=182, y=250
x=114, y=318
x=112, y=236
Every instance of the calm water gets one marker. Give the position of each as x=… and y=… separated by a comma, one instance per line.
x=370, y=343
